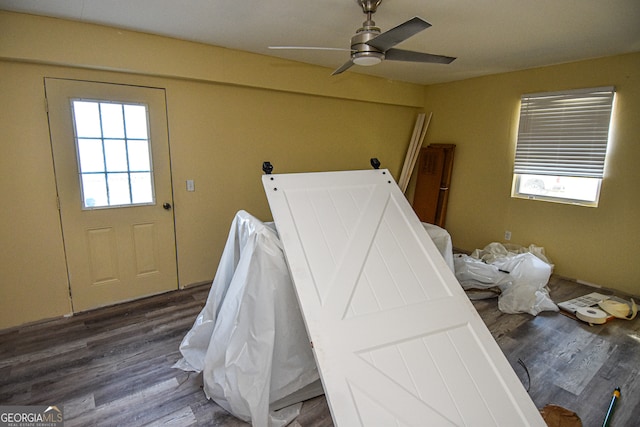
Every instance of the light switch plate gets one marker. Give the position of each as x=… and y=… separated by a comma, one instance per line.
x=191, y=186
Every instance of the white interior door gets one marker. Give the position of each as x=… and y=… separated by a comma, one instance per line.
x=396, y=340
x=111, y=156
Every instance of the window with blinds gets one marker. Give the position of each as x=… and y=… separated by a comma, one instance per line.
x=562, y=145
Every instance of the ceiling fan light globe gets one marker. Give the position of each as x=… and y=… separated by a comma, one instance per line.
x=367, y=59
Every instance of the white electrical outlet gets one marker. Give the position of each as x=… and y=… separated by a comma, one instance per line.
x=191, y=186
x=507, y=235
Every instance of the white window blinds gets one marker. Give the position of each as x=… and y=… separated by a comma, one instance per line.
x=564, y=133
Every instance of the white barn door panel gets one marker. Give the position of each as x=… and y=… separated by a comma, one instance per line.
x=396, y=340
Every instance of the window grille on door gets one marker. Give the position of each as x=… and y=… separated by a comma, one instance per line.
x=114, y=159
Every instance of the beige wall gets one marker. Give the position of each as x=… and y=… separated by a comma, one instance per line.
x=596, y=245
x=225, y=118
x=229, y=111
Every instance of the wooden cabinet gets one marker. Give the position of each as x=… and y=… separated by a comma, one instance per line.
x=435, y=165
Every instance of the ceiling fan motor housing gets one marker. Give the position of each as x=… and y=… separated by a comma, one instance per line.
x=364, y=54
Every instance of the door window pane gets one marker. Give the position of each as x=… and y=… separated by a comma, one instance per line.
x=91, y=157
x=118, y=188
x=112, y=122
x=136, y=120
x=115, y=154
x=141, y=189
x=139, y=155
x=87, y=119
x=113, y=151
x=94, y=189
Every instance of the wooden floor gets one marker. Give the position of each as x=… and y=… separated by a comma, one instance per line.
x=112, y=366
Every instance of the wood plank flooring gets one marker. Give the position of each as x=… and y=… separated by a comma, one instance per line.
x=112, y=366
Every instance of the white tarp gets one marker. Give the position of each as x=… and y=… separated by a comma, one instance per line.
x=249, y=339
x=442, y=239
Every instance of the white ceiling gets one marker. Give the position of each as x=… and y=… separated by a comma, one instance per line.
x=487, y=36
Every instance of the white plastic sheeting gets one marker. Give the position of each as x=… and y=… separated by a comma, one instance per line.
x=442, y=239
x=521, y=274
x=249, y=339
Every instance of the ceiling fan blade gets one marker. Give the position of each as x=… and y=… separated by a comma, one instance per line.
x=343, y=68
x=390, y=38
x=307, y=48
x=410, y=56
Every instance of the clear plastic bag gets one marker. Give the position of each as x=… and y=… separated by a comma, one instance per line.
x=473, y=273
x=521, y=274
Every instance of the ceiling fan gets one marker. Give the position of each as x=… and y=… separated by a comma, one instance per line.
x=370, y=47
